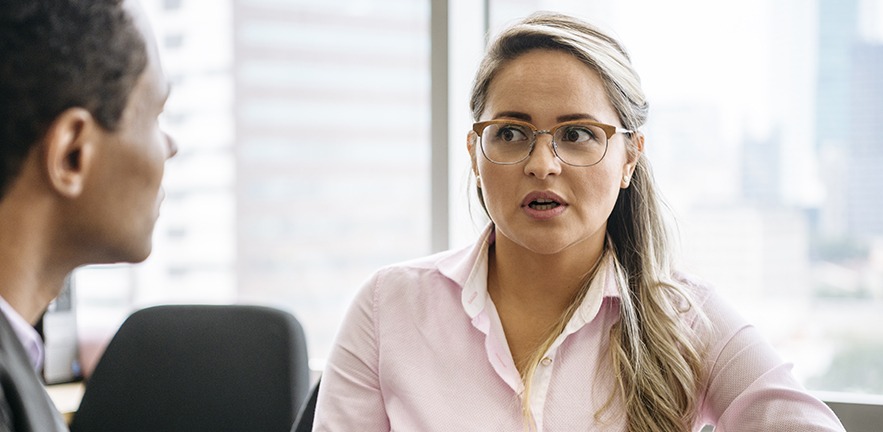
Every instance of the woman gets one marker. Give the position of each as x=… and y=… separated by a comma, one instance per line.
x=566, y=315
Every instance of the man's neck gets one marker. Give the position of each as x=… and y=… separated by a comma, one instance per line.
x=26, y=284
x=31, y=274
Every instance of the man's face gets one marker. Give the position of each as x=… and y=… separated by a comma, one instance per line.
x=123, y=191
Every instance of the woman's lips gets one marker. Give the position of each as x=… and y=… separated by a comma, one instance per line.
x=543, y=205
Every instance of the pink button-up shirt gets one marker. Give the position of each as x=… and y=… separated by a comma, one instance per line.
x=422, y=349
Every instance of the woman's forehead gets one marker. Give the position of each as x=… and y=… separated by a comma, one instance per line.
x=550, y=84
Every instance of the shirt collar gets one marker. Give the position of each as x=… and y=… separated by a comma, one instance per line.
x=460, y=267
x=27, y=335
x=603, y=285
x=469, y=271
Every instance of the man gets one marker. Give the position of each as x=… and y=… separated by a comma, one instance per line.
x=81, y=162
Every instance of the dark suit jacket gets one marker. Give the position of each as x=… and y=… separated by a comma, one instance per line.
x=24, y=404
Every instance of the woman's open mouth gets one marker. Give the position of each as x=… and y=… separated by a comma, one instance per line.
x=543, y=204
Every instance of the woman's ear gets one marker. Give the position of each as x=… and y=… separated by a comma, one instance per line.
x=633, y=154
x=69, y=147
x=471, y=143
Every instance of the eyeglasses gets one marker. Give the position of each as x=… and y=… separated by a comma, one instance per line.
x=579, y=143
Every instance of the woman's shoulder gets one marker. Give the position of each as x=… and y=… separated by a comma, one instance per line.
x=724, y=319
x=440, y=268
x=427, y=264
x=409, y=289
x=695, y=285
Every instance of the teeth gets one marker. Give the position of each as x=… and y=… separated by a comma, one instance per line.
x=543, y=204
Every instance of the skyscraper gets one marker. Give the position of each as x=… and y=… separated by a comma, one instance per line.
x=849, y=112
x=837, y=34
x=331, y=149
x=864, y=190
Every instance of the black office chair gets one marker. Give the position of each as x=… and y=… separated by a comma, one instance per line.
x=857, y=416
x=198, y=368
x=304, y=420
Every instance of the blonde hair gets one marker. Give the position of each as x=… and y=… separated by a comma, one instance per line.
x=655, y=354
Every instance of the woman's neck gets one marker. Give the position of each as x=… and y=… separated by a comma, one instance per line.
x=545, y=283
x=533, y=292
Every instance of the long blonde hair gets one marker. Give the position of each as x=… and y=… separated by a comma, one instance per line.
x=655, y=354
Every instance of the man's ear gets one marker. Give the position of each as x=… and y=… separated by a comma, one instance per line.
x=69, y=146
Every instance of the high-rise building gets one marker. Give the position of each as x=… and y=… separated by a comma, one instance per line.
x=332, y=149
x=848, y=113
x=762, y=170
x=837, y=32
x=864, y=194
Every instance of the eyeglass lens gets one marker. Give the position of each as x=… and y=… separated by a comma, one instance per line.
x=575, y=144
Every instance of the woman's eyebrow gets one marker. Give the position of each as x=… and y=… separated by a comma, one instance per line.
x=577, y=116
x=513, y=114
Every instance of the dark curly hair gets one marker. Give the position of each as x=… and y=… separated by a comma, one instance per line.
x=58, y=54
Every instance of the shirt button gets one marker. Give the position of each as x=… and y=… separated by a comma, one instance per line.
x=546, y=361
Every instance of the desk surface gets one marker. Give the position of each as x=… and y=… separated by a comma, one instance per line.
x=66, y=397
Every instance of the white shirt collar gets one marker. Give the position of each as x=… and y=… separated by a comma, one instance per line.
x=27, y=335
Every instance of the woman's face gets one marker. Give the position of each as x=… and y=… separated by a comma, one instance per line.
x=542, y=204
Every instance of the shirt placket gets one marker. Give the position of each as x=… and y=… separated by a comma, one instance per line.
x=540, y=387
x=542, y=378
x=479, y=306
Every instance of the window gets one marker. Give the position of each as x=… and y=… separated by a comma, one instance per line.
x=173, y=41
x=764, y=143
x=305, y=159
x=172, y=4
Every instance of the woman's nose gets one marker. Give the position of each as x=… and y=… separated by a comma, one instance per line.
x=542, y=161
x=171, y=146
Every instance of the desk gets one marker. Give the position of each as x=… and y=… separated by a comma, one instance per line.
x=67, y=398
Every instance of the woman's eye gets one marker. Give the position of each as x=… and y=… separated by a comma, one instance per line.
x=577, y=135
x=511, y=133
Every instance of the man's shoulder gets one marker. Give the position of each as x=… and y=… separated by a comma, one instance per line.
x=14, y=366
x=23, y=399
x=9, y=343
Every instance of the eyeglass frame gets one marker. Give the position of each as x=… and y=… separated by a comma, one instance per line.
x=609, y=132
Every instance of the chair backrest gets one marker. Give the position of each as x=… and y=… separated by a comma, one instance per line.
x=198, y=368
x=859, y=417
x=304, y=420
